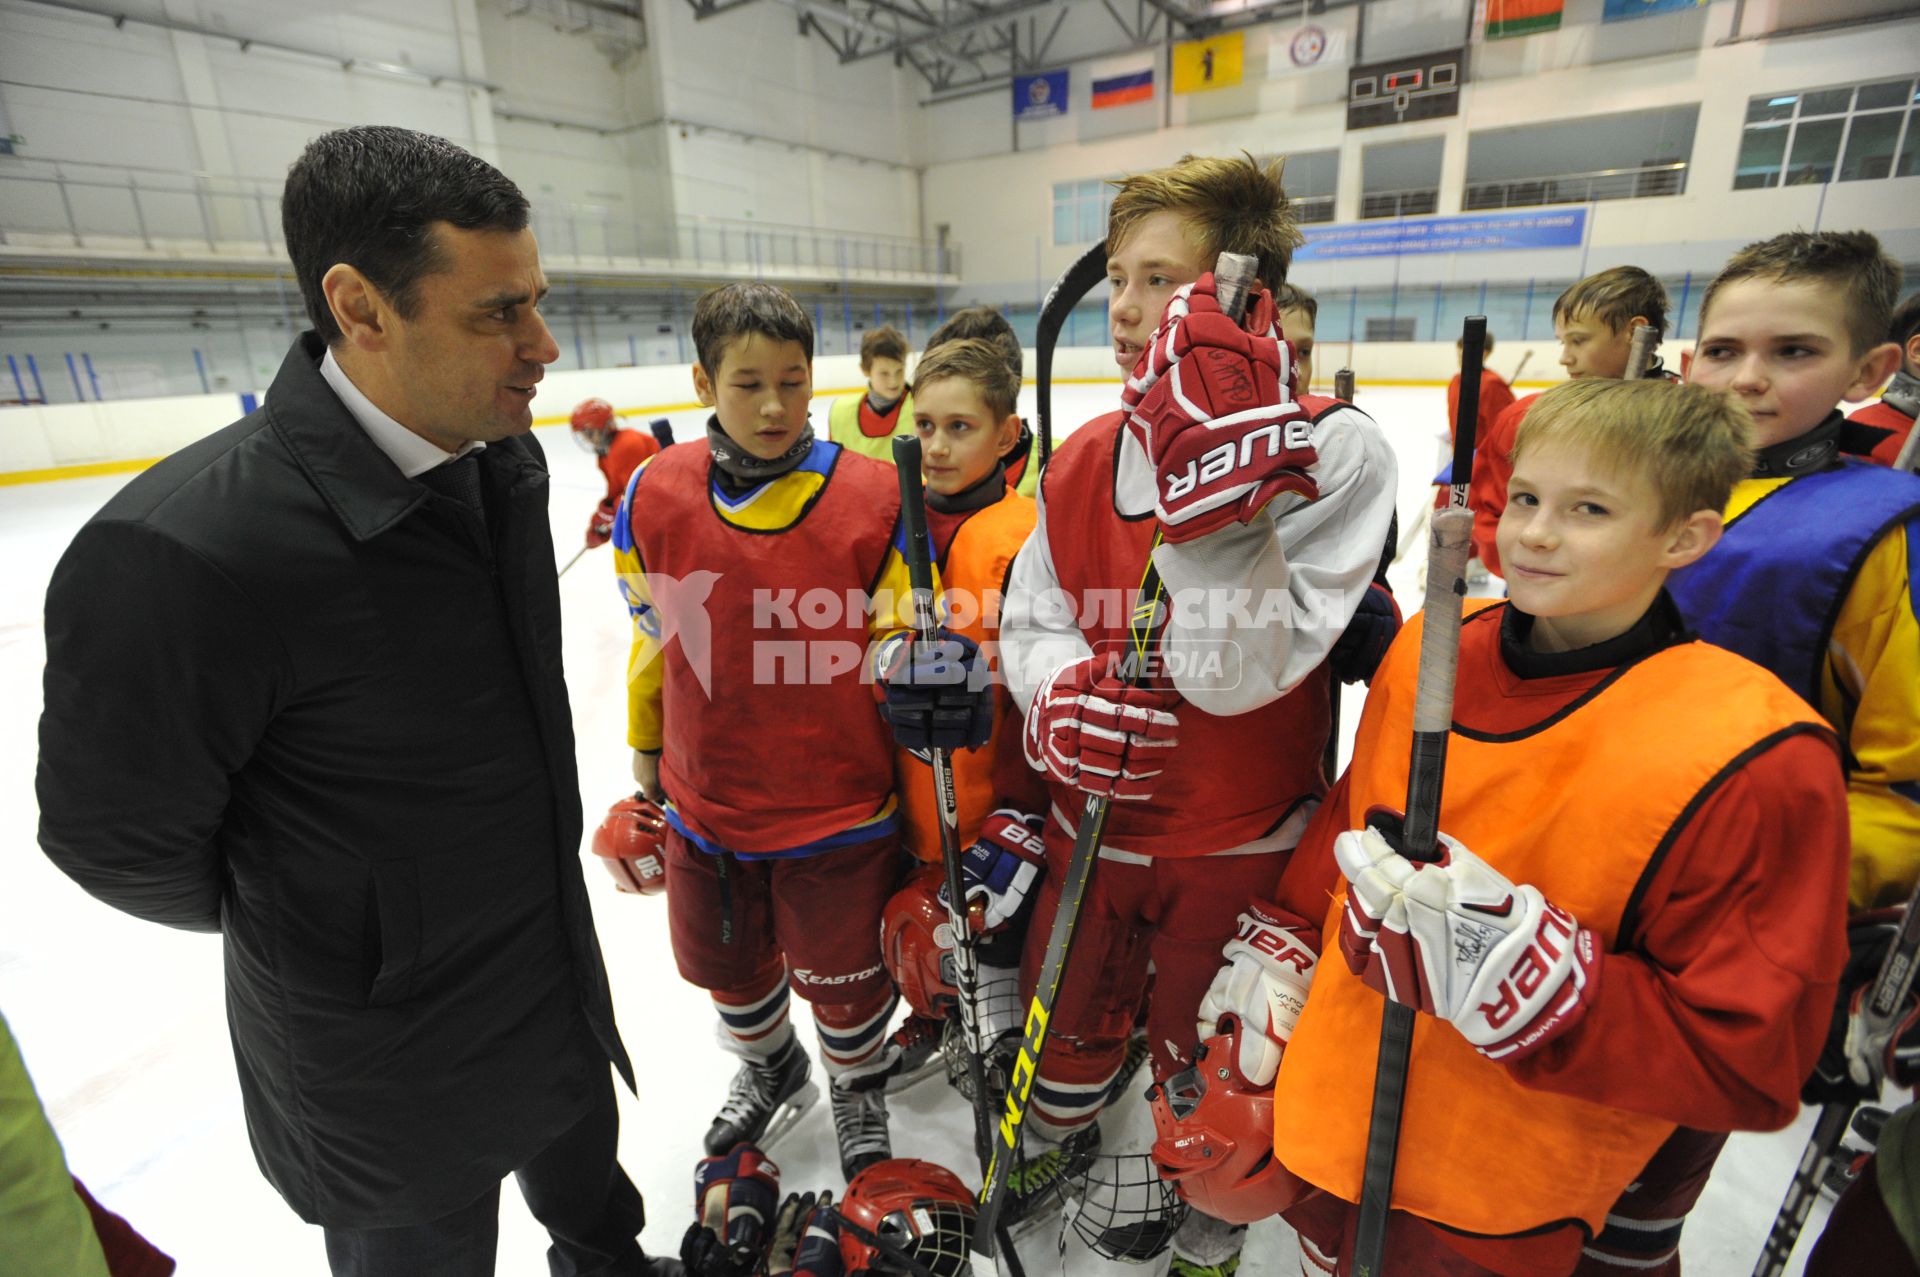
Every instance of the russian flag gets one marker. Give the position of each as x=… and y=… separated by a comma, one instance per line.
x=1122, y=89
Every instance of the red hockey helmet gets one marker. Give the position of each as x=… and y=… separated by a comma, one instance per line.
x=593, y=424
x=631, y=843
x=915, y=1208
x=911, y=927
x=1215, y=1136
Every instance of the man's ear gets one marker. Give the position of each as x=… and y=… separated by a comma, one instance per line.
x=703, y=387
x=1873, y=370
x=1691, y=538
x=361, y=311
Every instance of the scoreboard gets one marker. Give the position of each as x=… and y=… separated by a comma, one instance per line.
x=1421, y=87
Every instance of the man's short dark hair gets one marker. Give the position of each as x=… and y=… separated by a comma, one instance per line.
x=724, y=315
x=983, y=323
x=369, y=196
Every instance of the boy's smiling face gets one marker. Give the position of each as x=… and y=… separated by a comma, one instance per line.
x=760, y=393
x=960, y=441
x=1143, y=273
x=1583, y=546
x=1783, y=349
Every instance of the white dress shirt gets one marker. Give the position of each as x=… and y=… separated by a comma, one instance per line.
x=407, y=450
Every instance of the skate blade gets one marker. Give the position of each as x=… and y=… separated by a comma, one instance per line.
x=791, y=1110
x=913, y=1077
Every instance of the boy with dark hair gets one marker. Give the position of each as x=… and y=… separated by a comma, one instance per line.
x=1594, y=322
x=1680, y=969
x=1812, y=581
x=866, y=421
x=1296, y=310
x=1023, y=471
x=1879, y=430
x=773, y=770
x=1213, y=777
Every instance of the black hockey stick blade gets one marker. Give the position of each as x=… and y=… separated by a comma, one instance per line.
x=1067, y=291
x=1451, y=539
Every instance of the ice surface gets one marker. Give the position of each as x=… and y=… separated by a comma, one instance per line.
x=122, y=1023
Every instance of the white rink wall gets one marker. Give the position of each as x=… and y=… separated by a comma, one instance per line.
x=65, y=440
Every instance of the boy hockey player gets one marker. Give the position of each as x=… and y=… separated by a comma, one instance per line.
x=1214, y=777
x=1879, y=430
x=1594, y=322
x=620, y=452
x=1578, y=996
x=774, y=770
x=1021, y=457
x=1496, y=396
x=867, y=422
x=1295, y=309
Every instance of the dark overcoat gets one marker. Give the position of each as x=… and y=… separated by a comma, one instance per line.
x=301, y=700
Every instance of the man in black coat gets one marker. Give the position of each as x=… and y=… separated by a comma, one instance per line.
x=303, y=689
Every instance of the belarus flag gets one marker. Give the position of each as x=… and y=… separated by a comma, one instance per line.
x=1119, y=90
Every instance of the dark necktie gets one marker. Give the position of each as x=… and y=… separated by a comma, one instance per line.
x=459, y=479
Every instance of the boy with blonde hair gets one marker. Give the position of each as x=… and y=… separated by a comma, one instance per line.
x=1215, y=770
x=1651, y=827
x=866, y=421
x=1594, y=322
x=988, y=324
x=756, y=731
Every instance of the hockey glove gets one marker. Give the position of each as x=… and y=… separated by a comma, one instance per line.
x=1100, y=735
x=806, y=1238
x=1358, y=651
x=1270, y=964
x=1851, y=1065
x=998, y=870
x=631, y=843
x=1212, y=403
x=935, y=696
x=733, y=1202
x=1505, y=966
x=600, y=527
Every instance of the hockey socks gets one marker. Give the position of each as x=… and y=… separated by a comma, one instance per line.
x=754, y=1022
x=852, y=1035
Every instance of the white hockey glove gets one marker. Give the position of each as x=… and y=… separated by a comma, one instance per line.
x=1270, y=964
x=1504, y=965
x=1099, y=734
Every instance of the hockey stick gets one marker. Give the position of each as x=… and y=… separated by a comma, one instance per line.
x=570, y=562
x=1878, y=1020
x=1233, y=279
x=1075, y=283
x=1451, y=538
x=1520, y=367
x=1640, y=353
x=1343, y=389
x=1909, y=458
x=913, y=515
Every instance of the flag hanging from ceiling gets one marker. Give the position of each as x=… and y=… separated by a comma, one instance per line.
x=1118, y=90
x=1035, y=96
x=1522, y=17
x=1213, y=63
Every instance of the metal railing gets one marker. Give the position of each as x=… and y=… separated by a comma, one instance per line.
x=1408, y=203
x=1309, y=209
x=154, y=211
x=1579, y=188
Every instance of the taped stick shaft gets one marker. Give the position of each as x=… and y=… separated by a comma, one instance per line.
x=1343, y=387
x=1640, y=353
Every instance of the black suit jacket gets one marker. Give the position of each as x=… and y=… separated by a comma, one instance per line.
x=297, y=698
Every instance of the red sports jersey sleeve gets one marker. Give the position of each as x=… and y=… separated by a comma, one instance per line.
x=1492, y=467
x=624, y=455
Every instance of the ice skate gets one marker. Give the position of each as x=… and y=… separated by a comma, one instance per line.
x=860, y=1122
x=915, y=1047
x=1038, y=1182
x=764, y=1102
x=1206, y=1247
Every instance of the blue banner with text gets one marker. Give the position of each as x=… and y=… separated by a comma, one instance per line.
x=1473, y=233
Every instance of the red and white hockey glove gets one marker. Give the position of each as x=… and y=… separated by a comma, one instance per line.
x=631, y=842
x=1499, y=961
x=600, y=527
x=1212, y=403
x=1270, y=965
x=806, y=1238
x=1000, y=867
x=1099, y=734
x=734, y=1200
